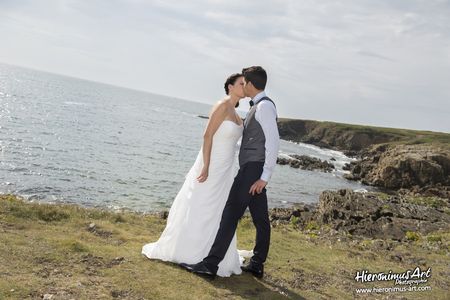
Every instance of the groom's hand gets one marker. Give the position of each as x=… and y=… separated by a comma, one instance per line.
x=257, y=187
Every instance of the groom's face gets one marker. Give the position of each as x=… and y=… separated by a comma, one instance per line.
x=247, y=88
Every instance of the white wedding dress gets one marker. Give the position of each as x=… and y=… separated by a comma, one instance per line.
x=195, y=214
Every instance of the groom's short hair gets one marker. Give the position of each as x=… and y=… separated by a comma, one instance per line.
x=256, y=75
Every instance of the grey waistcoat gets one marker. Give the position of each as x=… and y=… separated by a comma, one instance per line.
x=253, y=145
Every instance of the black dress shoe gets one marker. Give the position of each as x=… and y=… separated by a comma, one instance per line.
x=256, y=269
x=199, y=269
x=186, y=266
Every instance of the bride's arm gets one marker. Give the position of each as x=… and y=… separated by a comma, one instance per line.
x=216, y=117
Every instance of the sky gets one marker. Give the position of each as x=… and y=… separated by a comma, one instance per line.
x=383, y=63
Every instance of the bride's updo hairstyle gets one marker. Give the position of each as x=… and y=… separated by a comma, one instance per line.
x=232, y=80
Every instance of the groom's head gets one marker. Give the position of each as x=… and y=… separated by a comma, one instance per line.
x=255, y=80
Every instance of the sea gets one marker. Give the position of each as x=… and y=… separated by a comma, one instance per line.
x=69, y=140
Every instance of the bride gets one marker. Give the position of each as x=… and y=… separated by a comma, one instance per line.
x=195, y=214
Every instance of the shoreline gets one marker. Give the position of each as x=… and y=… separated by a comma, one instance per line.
x=373, y=150
x=137, y=193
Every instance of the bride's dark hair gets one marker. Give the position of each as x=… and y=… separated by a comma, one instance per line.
x=232, y=80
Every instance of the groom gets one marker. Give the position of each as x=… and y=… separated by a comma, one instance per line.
x=257, y=159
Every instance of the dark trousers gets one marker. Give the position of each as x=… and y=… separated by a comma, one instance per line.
x=238, y=200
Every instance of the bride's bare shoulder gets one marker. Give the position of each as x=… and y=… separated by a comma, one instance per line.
x=220, y=105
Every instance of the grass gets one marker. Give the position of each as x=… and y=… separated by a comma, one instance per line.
x=412, y=236
x=51, y=249
x=312, y=225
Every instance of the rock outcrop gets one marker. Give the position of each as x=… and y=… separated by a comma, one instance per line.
x=370, y=215
x=366, y=214
x=421, y=169
x=305, y=162
x=345, y=137
x=303, y=212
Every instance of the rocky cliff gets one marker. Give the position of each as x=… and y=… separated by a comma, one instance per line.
x=396, y=159
x=332, y=135
x=352, y=138
x=423, y=169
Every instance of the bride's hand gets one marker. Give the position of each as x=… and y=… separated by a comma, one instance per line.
x=203, y=175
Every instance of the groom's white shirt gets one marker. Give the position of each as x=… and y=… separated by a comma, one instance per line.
x=266, y=115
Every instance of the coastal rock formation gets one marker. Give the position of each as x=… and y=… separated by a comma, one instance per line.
x=303, y=213
x=409, y=161
x=305, y=162
x=367, y=215
x=370, y=215
x=422, y=169
x=344, y=137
